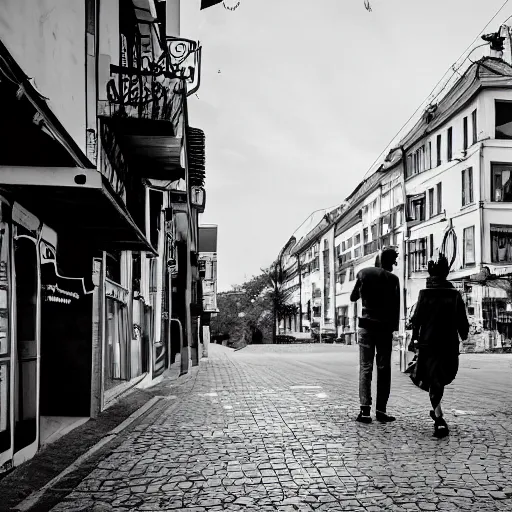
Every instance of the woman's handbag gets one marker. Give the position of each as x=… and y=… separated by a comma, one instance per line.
x=416, y=379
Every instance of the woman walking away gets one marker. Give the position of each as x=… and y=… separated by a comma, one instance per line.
x=438, y=320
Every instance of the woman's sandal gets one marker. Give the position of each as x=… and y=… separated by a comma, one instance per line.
x=440, y=426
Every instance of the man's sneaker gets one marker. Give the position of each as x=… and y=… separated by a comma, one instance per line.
x=383, y=417
x=364, y=418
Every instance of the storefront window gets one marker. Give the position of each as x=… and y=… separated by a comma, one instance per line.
x=343, y=320
x=5, y=362
x=118, y=335
x=4, y=291
x=4, y=405
x=501, y=244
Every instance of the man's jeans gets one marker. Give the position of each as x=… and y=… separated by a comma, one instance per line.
x=369, y=343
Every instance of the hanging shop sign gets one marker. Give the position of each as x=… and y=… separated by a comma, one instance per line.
x=24, y=218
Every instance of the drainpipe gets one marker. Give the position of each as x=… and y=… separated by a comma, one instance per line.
x=333, y=276
x=406, y=235
x=481, y=173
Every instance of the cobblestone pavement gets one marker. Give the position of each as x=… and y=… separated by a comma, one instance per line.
x=272, y=428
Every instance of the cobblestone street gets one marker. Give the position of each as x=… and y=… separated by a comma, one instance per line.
x=272, y=428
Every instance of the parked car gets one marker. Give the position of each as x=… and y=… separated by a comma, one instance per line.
x=328, y=335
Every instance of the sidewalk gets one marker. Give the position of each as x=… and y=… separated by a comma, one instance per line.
x=19, y=483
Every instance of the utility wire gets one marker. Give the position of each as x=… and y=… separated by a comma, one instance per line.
x=430, y=97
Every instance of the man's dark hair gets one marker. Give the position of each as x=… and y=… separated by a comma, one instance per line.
x=388, y=258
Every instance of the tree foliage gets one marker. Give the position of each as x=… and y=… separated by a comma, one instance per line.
x=253, y=301
x=256, y=300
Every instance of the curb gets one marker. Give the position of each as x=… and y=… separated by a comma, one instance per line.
x=35, y=498
x=22, y=482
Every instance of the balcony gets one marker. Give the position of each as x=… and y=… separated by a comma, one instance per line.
x=143, y=101
x=151, y=81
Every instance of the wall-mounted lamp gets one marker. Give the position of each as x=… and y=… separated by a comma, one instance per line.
x=198, y=198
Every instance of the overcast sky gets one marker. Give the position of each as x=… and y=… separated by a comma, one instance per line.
x=298, y=98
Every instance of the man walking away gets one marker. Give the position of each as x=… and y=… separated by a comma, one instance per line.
x=379, y=290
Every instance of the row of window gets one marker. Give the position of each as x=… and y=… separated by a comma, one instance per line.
x=342, y=275
x=312, y=266
x=313, y=251
x=422, y=250
x=388, y=200
x=501, y=192
x=348, y=244
x=422, y=158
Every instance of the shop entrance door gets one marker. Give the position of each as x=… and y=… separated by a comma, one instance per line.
x=26, y=369
x=6, y=349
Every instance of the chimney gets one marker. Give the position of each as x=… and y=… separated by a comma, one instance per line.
x=505, y=32
x=496, y=43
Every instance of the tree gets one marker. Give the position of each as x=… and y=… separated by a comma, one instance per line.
x=244, y=311
x=257, y=305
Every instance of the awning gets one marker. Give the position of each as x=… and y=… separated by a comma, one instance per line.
x=79, y=201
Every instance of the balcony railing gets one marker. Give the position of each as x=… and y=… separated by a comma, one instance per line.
x=151, y=79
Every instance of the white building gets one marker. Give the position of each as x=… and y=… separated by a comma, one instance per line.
x=446, y=187
x=458, y=177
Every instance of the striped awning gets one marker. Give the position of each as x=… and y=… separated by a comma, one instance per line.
x=196, y=156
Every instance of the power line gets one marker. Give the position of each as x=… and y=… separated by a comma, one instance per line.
x=455, y=70
x=428, y=98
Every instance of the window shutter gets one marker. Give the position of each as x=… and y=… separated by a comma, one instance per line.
x=470, y=184
x=463, y=174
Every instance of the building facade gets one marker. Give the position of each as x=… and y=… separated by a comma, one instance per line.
x=208, y=275
x=444, y=188
x=101, y=186
x=457, y=180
